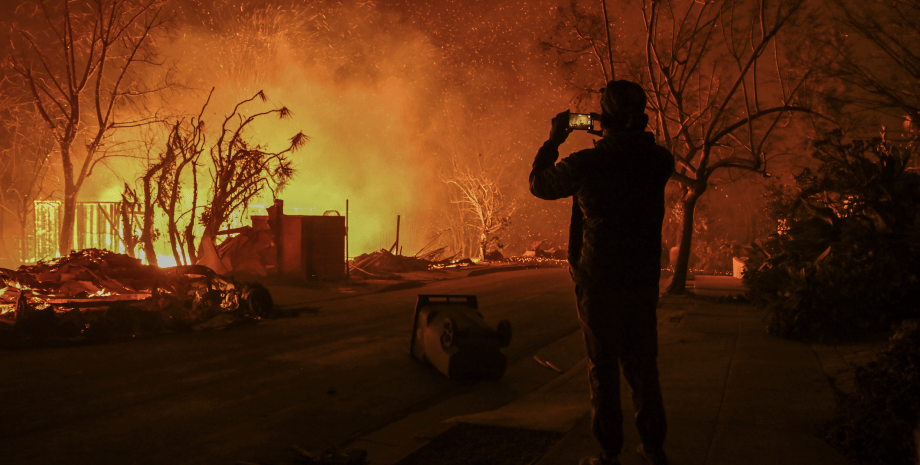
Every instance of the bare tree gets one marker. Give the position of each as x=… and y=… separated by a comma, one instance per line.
x=184, y=146
x=582, y=41
x=240, y=170
x=129, y=205
x=162, y=181
x=878, y=50
x=718, y=86
x=150, y=192
x=25, y=153
x=474, y=158
x=81, y=62
x=482, y=206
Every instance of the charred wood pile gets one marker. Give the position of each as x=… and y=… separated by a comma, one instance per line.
x=96, y=295
x=383, y=263
x=250, y=251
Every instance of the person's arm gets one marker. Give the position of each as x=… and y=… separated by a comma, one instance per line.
x=548, y=180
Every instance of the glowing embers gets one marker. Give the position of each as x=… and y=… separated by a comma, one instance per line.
x=10, y=298
x=450, y=264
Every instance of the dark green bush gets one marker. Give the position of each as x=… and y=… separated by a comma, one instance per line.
x=875, y=425
x=868, y=283
x=851, y=267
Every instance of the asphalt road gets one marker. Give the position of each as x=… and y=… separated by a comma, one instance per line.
x=248, y=393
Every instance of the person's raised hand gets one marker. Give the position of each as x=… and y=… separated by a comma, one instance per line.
x=560, y=131
x=596, y=132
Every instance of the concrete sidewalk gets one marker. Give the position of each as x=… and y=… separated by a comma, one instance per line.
x=733, y=394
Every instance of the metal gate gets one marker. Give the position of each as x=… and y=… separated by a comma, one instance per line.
x=97, y=225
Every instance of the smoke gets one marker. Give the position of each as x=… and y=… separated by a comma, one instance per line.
x=362, y=93
x=389, y=95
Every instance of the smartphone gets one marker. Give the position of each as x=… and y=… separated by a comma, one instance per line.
x=580, y=121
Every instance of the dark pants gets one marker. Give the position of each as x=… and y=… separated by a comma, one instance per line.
x=620, y=329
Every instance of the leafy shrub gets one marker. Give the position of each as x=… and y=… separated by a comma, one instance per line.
x=851, y=267
x=875, y=425
x=777, y=210
x=869, y=282
x=713, y=256
x=709, y=253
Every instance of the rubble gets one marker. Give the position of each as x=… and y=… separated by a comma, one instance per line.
x=433, y=255
x=383, y=261
x=384, y=264
x=97, y=295
x=250, y=251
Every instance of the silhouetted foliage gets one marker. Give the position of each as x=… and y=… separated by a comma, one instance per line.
x=241, y=169
x=878, y=56
x=850, y=268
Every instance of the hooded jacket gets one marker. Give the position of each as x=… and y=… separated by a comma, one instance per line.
x=618, y=189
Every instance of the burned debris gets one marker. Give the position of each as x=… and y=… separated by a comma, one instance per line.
x=96, y=295
x=383, y=263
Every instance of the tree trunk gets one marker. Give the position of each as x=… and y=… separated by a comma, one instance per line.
x=679, y=280
x=7, y=254
x=171, y=225
x=190, y=229
x=23, y=242
x=147, y=231
x=190, y=248
x=127, y=228
x=174, y=241
x=65, y=242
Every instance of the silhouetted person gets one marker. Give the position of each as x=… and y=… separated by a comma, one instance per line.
x=614, y=256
